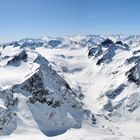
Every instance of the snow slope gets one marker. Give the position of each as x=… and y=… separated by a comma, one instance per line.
x=100, y=99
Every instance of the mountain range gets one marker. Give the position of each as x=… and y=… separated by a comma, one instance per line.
x=84, y=87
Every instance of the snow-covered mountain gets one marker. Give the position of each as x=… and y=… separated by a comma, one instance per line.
x=76, y=87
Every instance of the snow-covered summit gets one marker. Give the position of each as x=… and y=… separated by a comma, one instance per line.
x=56, y=88
x=54, y=106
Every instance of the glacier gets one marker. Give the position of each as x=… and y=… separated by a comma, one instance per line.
x=84, y=87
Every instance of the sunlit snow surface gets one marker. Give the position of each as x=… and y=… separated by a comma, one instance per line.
x=72, y=63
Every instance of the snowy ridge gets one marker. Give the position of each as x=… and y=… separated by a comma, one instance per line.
x=48, y=97
x=100, y=98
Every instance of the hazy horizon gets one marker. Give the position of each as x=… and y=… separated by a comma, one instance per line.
x=34, y=19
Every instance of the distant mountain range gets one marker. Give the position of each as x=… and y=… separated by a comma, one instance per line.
x=70, y=88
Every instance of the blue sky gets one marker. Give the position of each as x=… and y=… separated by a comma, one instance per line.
x=36, y=18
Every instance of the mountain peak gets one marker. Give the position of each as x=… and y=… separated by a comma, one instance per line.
x=107, y=42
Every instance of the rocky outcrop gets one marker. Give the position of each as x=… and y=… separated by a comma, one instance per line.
x=53, y=104
x=133, y=74
x=8, y=115
x=105, y=51
x=107, y=42
x=17, y=59
x=54, y=43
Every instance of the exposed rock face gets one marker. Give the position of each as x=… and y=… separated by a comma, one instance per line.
x=16, y=60
x=53, y=104
x=54, y=43
x=95, y=52
x=87, y=42
x=107, y=42
x=124, y=106
x=43, y=100
x=119, y=43
x=118, y=102
x=14, y=44
x=136, y=52
x=31, y=44
x=105, y=51
x=133, y=74
x=8, y=116
x=133, y=59
x=51, y=93
x=116, y=92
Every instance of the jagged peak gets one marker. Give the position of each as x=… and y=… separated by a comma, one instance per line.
x=107, y=42
x=16, y=60
x=41, y=60
x=119, y=43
